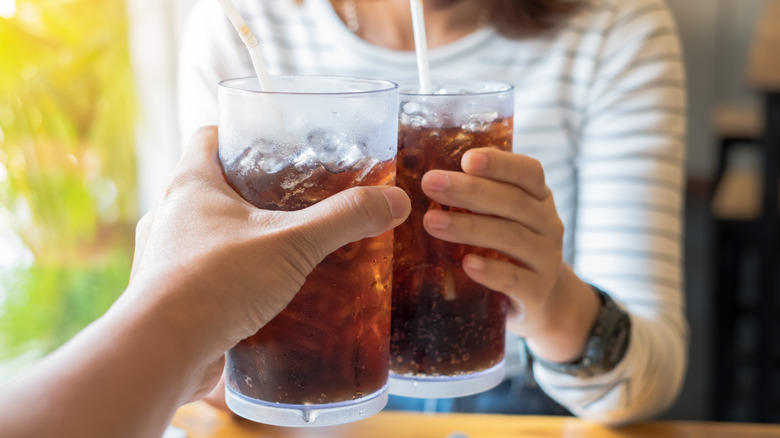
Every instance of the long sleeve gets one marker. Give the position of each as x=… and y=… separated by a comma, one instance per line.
x=210, y=52
x=629, y=208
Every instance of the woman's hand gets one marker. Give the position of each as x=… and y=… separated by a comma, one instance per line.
x=516, y=216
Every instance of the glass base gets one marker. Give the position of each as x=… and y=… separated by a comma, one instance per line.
x=422, y=386
x=329, y=414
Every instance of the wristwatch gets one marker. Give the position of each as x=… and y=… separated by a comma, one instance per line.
x=606, y=345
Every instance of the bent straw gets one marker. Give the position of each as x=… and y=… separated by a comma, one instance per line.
x=421, y=45
x=249, y=41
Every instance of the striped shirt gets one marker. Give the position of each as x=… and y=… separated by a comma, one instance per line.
x=600, y=102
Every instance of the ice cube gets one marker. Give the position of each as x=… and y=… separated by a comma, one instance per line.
x=343, y=158
x=333, y=149
x=415, y=115
x=260, y=154
x=272, y=162
x=305, y=157
x=366, y=165
x=413, y=120
x=321, y=140
x=245, y=161
x=480, y=122
x=412, y=108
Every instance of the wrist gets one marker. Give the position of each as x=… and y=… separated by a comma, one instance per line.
x=185, y=329
x=573, y=309
x=606, y=345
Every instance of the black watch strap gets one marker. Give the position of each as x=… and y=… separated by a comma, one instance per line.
x=606, y=346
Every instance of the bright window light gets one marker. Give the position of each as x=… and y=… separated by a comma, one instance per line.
x=7, y=8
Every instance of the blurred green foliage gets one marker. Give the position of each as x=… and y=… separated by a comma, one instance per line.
x=67, y=167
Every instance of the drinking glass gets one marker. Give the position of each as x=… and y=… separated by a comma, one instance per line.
x=324, y=359
x=447, y=331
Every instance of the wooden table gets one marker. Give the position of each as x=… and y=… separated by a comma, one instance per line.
x=202, y=421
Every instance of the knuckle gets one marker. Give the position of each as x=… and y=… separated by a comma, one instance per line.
x=537, y=171
x=514, y=284
x=143, y=224
x=515, y=239
x=557, y=228
x=370, y=211
x=519, y=202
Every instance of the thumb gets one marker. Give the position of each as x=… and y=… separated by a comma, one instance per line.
x=354, y=214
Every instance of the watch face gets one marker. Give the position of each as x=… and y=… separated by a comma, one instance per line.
x=617, y=344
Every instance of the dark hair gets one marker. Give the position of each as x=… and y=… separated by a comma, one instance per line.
x=519, y=18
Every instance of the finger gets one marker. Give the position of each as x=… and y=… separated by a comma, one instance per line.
x=484, y=196
x=216, y=397
x=200, y=164
x=200, y=161
x=519, y=170
x=352, y=215
x=507, y=237
x=505, y=277
x=209, y=379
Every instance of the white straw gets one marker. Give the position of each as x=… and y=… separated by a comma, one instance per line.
x=421, y=45
x=249, y=41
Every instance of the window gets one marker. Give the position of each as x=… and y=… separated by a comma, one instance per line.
x=67, y=173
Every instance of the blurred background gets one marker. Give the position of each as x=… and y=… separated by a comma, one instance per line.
x=88, y=134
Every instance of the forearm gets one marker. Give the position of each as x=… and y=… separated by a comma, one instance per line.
x=644, y=384
x=121, y=377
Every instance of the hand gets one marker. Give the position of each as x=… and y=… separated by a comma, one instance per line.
x=516, y=216
x=225, y=268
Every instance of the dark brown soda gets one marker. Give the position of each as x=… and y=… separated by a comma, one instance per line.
x=443, y=323
x=331, y=343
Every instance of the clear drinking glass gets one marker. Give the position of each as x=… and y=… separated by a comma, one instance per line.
x=324, y=359
x=447, y=331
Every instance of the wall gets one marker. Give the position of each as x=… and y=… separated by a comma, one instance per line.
x=154, y=40
x=716, y=36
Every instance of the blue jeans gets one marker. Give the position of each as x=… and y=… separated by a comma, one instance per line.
x=518, y=396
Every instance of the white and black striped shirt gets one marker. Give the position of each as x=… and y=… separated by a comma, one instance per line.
x=600, y=102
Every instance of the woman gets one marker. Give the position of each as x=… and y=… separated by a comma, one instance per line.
x=596, y=175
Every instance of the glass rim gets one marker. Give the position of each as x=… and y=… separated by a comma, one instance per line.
x=388, y=85
x=501, y=88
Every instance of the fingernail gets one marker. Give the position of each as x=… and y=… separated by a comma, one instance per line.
x=398, y=201
x=474, y=263
x=475, y=161
x=437, y=220
x=436, y=181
